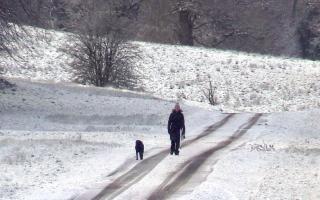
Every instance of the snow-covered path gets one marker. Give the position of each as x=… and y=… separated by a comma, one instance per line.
x=177, y=176
x=139, y=171
x=189, y=170
x=174, y=178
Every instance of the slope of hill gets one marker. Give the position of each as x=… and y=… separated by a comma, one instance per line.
x=243, y=82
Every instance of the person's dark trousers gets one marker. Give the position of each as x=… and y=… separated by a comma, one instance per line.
x=139, y=149
x=140, y=155
x=175, y=145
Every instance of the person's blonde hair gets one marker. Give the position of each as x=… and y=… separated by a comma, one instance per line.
x=177, y=105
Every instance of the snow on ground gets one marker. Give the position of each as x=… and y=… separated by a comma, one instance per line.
x=40, y=56
x=171, y=165
x=244, y=82
x=280, y=160
x=277, y=159
x=58, y=139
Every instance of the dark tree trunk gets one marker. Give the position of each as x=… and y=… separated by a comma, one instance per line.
x=294, y=8
x=38, y=14
x=185, y=32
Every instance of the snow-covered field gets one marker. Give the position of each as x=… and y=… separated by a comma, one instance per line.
x=59, y=140
x=244, y=82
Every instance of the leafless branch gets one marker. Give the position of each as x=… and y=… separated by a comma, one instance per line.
x=209, y=94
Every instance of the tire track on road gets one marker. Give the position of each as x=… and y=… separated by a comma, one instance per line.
x=172, y=183
x=140, y=170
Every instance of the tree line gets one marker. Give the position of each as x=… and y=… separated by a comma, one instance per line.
x=268, y=27
x=103, y=54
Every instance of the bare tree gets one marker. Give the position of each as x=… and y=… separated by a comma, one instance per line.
x=44, y=13
x=8, y=26
x=188, y=12
x=209, y=94
x=310, y=35
x=294, y=8
x=104, y=60
x=102, y=54
x=128, y=8
x=201, y=23
x=9, y=32
x=156, y=23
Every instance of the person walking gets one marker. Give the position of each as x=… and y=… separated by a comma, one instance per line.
x=175, y=128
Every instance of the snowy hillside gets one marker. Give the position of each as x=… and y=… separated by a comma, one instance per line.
x=63, y=141
x=244, y=82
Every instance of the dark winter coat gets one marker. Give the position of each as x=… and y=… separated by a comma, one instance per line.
x=139, y=146
x=176, y=124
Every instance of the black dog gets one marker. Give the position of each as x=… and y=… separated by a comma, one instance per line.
x=139, y=149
